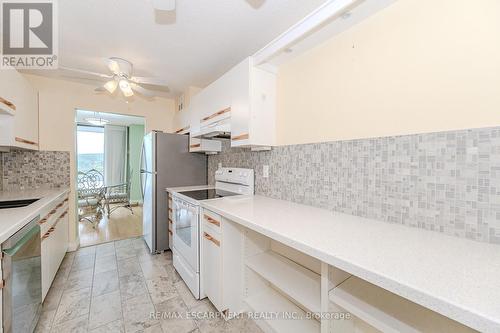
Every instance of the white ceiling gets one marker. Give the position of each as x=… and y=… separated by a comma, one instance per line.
x=114, y=118
x=192, y=46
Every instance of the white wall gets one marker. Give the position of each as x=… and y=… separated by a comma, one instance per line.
x=58, y=102
x=416, y=66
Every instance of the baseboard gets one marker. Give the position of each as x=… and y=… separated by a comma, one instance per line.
x=73, y=246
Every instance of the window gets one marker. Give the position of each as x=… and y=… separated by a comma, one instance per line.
x=90, y=148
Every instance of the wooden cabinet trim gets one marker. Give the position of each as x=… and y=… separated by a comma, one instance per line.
x=28, y=142
x=8, y=103
x=182, y=130
x=198, y=145
x=240, y=137
x=216, y=114
x=210, y=238
x=211, y=220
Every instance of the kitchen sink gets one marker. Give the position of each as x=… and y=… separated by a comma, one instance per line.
x=17, y=203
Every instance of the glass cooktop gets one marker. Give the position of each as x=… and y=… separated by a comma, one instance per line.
x=207, y=194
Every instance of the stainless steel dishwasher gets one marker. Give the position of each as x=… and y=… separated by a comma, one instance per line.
x=22, y=276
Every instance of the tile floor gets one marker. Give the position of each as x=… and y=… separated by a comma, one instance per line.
x=118, y=287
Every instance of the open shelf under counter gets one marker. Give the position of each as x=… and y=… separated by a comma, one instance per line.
x=389, y=312
x=294, y=280
x=269, y=301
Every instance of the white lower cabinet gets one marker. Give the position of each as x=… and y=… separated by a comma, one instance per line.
x=221, y=263
x=373, y=309
x=212, y=267
x=54, y=246
x=285, y=290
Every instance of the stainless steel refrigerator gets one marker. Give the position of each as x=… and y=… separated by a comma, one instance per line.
x=165, y=162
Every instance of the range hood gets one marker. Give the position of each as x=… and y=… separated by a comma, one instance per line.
x=216, y=130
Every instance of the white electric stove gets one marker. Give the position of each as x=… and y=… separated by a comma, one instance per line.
x=187, y=221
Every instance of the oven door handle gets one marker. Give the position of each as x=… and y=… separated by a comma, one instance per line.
x=13, y=250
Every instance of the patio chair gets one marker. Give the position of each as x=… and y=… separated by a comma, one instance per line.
x=90, y=196
x=119, y=196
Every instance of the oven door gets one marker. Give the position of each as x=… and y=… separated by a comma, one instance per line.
x=186, y=232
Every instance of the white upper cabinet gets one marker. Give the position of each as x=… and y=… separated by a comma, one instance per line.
x=244, y=99
x=18, y=111
x=183, y=115
x=253, y=106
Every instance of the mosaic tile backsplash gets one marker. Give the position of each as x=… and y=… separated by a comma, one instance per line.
x=22, y=170
x=447, y=182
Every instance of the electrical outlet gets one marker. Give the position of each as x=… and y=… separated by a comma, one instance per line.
x=265, y=171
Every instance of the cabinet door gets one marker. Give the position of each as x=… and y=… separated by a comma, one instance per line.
x=53, y=241
x=240, y=104
x=212, y=277
x=46, y=262
x=65, y=235
x=23, y=126
x=26, y=118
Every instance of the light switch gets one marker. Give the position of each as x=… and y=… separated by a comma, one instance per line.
x=265, y=171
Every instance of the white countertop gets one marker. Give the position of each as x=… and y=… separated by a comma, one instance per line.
x=455, y=277
x=13, y=219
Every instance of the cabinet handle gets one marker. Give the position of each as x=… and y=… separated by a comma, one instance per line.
x=211, y=220
x=26, y=141
x=47, y=234
x=170, y=221
x=170, y=232
x=181, y=130
x=240, y=137
x=170, y=210
x=210, y=238
x=218, y=113
x=8, y=103
x=42, y=221
x=195, y=145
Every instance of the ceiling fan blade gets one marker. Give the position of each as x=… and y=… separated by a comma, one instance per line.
x=111, y=86
x=81, y=71
x=150, y=81
x=144, y=92
x=168, y=5
x=113, y=66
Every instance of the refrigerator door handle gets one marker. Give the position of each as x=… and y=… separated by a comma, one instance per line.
x=143, y=164
x=142, y=184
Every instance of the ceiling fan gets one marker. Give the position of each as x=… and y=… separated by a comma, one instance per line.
x=121, y=77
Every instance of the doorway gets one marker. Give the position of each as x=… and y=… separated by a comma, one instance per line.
x=108, y=187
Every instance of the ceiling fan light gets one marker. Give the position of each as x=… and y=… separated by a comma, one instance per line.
x=111, y=86
x=128, y=93
x=125, y=88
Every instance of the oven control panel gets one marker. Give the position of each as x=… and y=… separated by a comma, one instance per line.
x=235, y=176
